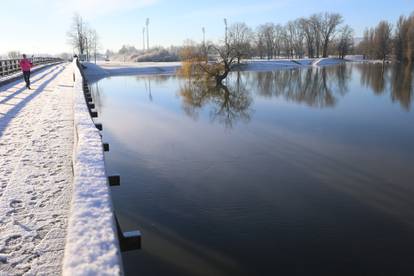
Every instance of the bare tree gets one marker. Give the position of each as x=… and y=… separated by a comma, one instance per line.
x=267, y=32
x=365, y=47
x=295, y=37
x=382, y=40
x=93, y=43
x=345, y=41
x=306, y=26
x=278, y=32
x=260, y=47
x=328, y=28
x=220, y=69
x=315, y=22
x=194, y=64
x=404, y=39
x=77, y=34
x=240, y=37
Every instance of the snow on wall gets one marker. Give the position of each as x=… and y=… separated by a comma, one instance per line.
x=91, y=244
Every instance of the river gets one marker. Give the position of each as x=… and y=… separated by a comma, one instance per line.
x=291, y=172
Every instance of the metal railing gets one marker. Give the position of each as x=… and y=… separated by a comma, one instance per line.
x=11, y=66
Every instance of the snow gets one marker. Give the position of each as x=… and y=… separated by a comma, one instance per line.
x=101, y=70
x=269, y=65
x=36, y=140
x=327, y=61
x=56, y=214
x=91, y=245
x=354, y=57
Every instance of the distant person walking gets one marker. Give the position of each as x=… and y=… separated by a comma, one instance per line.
x=25, y=65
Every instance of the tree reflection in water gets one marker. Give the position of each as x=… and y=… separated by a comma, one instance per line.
x=319, y=87
x=396, y=78
x=402, y=85
x=315, y=87
x=228, y=103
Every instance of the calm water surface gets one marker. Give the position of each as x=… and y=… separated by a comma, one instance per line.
x=292, y=172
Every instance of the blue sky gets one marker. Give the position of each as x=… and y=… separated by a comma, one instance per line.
x=40, y=26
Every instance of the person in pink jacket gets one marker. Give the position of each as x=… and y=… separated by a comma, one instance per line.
x=25, y=65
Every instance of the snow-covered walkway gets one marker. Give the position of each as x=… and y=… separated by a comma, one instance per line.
x=36, y=145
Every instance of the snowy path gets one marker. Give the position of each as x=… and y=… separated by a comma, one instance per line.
x=36, y=144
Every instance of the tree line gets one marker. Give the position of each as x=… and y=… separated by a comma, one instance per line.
x=322, y=35
x=318, y=35
x=386, y=41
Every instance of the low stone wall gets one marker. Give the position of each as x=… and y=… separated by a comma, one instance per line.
x=92, y=246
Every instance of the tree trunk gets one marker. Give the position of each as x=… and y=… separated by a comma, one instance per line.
x=220, y=78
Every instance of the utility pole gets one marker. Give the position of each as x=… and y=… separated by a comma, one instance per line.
x=143, y=39
x=147, y=23
x=204, y=43
x=204, y=36
x=225, y=31
x=87, y=48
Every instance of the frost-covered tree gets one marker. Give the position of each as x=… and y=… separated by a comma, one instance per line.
x=77, y=34
x=82, y=38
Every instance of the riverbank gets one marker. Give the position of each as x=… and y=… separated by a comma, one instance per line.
x=101, y=70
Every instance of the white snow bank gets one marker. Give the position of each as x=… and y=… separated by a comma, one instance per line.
x=354, y=57
x=269, y=65
x=91, y=244
x=96, y=72
x=327, y=61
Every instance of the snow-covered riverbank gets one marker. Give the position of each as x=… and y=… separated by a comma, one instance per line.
x=102, y=70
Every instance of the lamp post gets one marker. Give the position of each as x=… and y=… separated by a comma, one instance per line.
x=204, y=43
x=204, y=36
x=147, y=23
x=225, y=30
x=143, y=39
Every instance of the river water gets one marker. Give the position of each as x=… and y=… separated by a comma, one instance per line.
x=291, y=172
